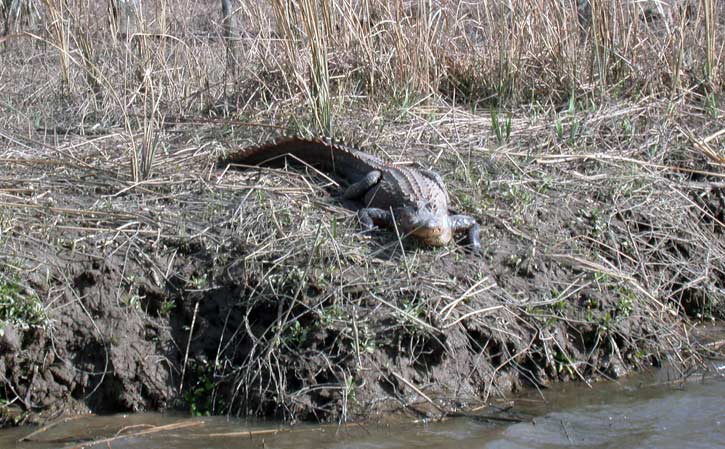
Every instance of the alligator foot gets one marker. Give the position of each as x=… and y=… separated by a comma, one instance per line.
x=371, y=217
x=461, y=223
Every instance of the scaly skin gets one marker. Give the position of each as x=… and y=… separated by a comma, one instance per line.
x=414, y=199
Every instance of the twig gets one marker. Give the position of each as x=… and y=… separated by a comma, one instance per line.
x=246, y=433
x=50, y=426
x=419, y=392
x=164, y=428
x=188, y=345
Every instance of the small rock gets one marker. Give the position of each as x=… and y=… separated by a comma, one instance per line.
x=614, y=367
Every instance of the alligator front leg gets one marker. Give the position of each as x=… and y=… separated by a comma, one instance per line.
x=372, y=216
x=360, y=188
x=460, y=223
x=369, y=216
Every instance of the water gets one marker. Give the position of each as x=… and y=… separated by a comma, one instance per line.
x=638, y=413
x=627, y=416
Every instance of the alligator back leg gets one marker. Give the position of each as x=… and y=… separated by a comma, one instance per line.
x=360, y=188
x=461, y=223
x=373, y=216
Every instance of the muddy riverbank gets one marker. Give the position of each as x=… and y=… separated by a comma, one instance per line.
x=248, y=292
x=138, y=275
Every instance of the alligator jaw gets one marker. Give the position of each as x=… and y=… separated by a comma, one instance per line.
x=431, y=228
x=433, y=236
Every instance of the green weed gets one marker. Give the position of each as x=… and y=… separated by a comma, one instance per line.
x=20, y=307
x=501, y=127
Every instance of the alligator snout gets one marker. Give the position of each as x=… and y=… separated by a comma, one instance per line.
x=431, y=229
x=437, y=236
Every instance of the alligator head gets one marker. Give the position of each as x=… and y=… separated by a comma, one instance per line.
x=429, y=225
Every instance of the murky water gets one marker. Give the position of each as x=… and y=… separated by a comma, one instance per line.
x=638, y=413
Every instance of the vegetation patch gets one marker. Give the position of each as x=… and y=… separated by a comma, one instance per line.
x=19, y=307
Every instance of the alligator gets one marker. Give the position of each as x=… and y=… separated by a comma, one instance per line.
x=411, y=199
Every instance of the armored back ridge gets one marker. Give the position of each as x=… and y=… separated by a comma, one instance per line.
x=414, y=199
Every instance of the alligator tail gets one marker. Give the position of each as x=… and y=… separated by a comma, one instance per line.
x=321, y=153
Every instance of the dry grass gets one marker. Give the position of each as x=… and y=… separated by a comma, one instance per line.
x=299, y=57
x=587, y=143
